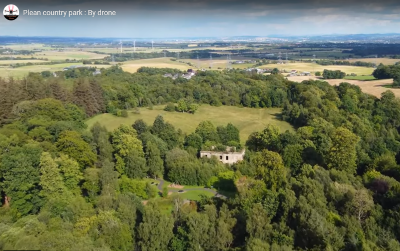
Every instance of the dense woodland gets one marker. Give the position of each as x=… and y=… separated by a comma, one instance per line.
x=331, y=184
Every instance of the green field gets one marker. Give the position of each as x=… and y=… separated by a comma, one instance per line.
x=193, y=195
x=311, y=67
x=247, y=120
x=12, y=62
x=69, y=54
x=23, y=71
x=368, y=77
x=27, y=46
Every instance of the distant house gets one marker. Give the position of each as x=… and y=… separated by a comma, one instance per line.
x=97, y=72
x=293, y=71
x=187, y=75
x=75, y=66
x=227, y=157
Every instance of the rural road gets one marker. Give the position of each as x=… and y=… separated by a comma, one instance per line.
x=161, y=183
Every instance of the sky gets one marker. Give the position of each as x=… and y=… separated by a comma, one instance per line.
x=204, y=18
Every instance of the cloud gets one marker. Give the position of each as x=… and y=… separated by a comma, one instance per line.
x=212, y=17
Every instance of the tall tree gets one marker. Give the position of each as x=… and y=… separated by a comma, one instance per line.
x=271, y=169
x=21, y=177
x=71, y=173
x=154, y=161
x=50, y=180
x=72, y=144
x=207, y=131
x=155, y=231
x=342, y=154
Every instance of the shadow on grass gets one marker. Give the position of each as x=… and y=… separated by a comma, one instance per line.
x=390, y=86
x=278, y=116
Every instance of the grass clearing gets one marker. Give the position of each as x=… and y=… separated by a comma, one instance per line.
x=311, y=67
x=193, y=195
x=247, y=120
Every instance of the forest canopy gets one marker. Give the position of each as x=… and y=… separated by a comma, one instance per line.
x=331, y=184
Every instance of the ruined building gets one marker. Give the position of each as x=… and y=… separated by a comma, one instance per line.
x=227, y=157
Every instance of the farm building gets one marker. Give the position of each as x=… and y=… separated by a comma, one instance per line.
x=227, y=157
x=75, y=66
x=190, y=73
x=97, y=72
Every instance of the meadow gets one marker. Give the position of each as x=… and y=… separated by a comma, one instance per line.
x=23, y=71
x=311, y=67
x=373, y=87
x=68, y=54
x=247, y=120
x=133, y=65
x=24, y=61
x=385, y=61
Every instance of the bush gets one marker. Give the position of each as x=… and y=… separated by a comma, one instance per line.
x=165, y=192
x=170, y=107
x=136, y=110
x=124, y=113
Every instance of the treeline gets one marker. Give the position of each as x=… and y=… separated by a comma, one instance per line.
x=381, y=50
x=343, y=62
x=121, y=57
x=121, y=90
x=328, y=74
x=45, y=63
x=388, y=71
x=19, y=58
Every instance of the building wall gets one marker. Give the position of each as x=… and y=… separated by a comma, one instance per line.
x=226, y=158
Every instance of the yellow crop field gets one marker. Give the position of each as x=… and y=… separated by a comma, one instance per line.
x=311, y=67
x=385, y=61
x=134, y=65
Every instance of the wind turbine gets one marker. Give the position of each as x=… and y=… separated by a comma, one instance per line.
x=120, y=42
x=152, y=42
x=134, y=45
